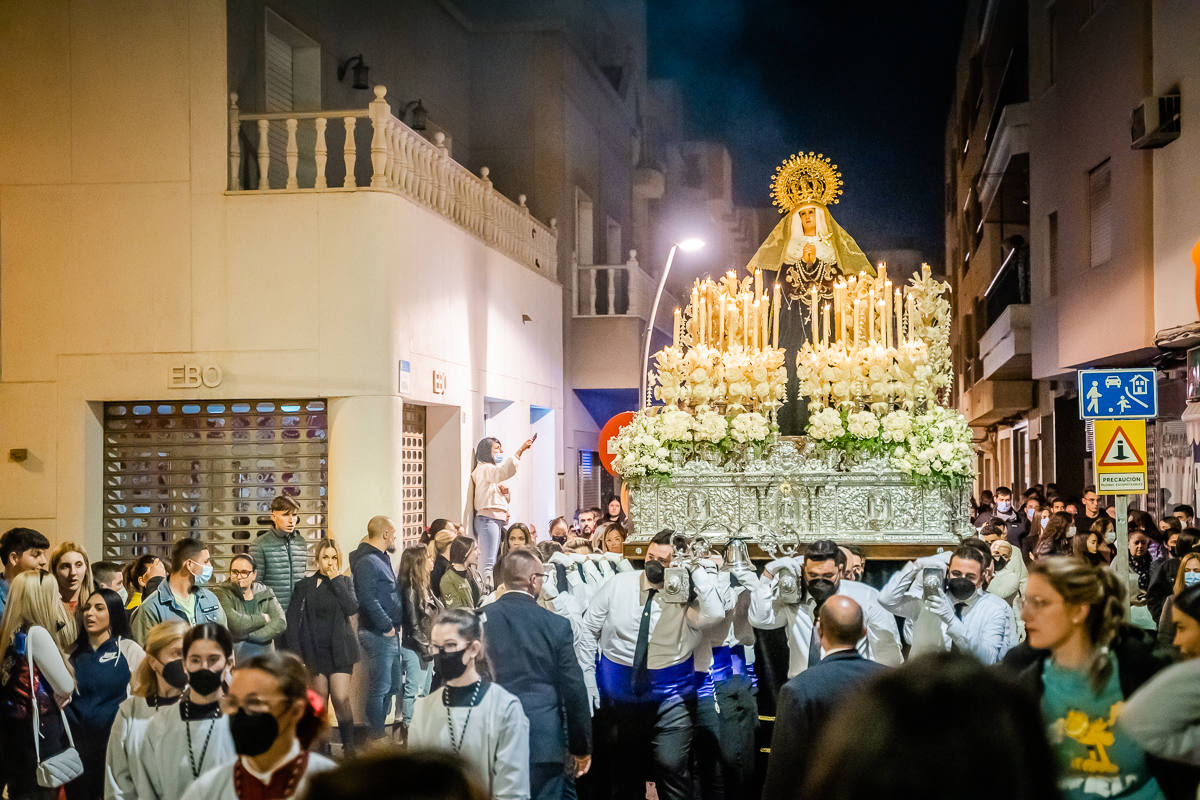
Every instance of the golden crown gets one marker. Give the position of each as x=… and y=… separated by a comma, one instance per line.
x=801, y=179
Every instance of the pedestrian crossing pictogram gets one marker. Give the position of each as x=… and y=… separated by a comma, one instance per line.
x=1120, y=452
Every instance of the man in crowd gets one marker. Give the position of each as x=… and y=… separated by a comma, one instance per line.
x=820, y=574
x=1004, y=514
x=379, y=619
x=1185, y=514
x=107, y=575
x=807, y=701
x=1091, y=510
x=945, y=607
x=21, y=549
x=856, y=562
x=255, y=616
x=282, y=552
x=647, y=688
x=183, y=595
x=532, y=654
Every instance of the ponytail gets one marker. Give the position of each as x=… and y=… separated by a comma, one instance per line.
x=1080, y=583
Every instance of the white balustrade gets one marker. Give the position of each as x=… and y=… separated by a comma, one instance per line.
x=625, y=287
x=405, y=163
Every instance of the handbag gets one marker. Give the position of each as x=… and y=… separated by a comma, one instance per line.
x=60, y=769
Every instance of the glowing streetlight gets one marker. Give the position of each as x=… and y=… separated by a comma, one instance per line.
x=689, y=245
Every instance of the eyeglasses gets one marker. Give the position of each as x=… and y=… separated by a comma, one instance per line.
x=252, y=705
x=541, y=575
x=241, y=573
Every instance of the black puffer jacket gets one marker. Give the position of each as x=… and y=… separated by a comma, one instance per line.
x=418, y=617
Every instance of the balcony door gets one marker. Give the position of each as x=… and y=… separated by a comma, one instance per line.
x=292, y=73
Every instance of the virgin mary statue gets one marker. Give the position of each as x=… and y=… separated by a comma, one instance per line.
x=807, y=248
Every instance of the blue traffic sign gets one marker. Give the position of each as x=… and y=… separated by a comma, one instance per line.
x=1118, y=393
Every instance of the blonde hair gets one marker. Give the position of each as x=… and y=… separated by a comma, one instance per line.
x=1179, y=584
x=88, y=585
x=144, y=682
x=34, y=600
x=1080, y=583
x=330, y=544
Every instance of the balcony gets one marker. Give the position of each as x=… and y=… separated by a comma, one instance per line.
x=621, y=290
x=399, y=161
x=1003, y=182
x=990, y=402
x=1005, y=346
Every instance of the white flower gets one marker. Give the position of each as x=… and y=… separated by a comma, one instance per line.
x=750, y=426
x=711, y=426
x=825, y=425
x=863, y=425
x=675, y=425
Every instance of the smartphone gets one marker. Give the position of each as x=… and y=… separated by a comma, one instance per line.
x=931, y=581
x=533, y=438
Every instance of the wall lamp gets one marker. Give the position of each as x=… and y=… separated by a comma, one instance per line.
x=420, y=117
x=359, y=71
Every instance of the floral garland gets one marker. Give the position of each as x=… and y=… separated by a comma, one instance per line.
x=931, y=447
x=652, y=443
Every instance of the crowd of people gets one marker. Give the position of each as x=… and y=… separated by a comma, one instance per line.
x=510, y=665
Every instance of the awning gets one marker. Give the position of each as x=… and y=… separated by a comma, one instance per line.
x=1191, y=418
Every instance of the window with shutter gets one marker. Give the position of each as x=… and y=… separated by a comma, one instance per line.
x=1100, y=212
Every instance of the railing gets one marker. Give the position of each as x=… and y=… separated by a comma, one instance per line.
x=620, y=290
x=401, y=161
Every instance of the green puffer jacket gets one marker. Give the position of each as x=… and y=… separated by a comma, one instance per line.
x=282, y=561
x=246, y=622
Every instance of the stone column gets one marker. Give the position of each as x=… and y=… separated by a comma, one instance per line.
x=365, y=437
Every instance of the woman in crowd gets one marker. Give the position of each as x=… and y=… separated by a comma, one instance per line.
x=441, y=561
x=470, y=715
x=319, y=630
x=1091, y=546
x=578, y=546
x=184, y=742
x=517, y=535
x=612, y=540
x=35, y=622
x=420, y=607
x=460, y=587
x=489, y=470
x=138, y=573
x=1187, y=576
x=560, y=530
x=1164, y=715
x=156, y=685
x=273, y=721
x=614, y=513
x=1091, y=662
x=105, y=659
x=69, y=563
x=1055, y=537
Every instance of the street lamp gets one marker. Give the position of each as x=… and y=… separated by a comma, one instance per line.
x=688, y=246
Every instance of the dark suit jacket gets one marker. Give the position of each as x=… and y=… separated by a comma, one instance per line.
x=805, y=704
x=532, y=654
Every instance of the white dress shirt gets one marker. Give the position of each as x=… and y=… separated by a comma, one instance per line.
x=986, y=629
x=615, y=614
x=882, y=642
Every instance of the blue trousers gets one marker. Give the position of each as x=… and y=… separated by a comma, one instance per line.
x=381, y=655
x=487, y=533
x=417, y=677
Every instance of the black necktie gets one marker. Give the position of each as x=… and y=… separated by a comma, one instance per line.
x=641, y=670
x=814, y=647
x=958, y=609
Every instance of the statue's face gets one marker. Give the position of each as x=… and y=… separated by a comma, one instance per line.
x=808, y=220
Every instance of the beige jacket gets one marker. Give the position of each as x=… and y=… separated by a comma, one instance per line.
x=489, y=500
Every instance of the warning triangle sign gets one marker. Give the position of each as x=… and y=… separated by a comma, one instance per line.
x=1120, y=452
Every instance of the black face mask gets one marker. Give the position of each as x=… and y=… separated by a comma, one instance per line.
x=655, y=572
x=450, y=665
x=960, y=588
x=1000, y=563
x=821, y=589
x=174, y=674
x=204, y=681
x=253, y=733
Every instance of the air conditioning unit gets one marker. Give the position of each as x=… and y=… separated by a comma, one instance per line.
x=1155, y=122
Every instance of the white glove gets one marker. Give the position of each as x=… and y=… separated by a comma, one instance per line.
x=577, y=558
x=793, y=563
x=941, y=606
x=940, y=560
x=591, y=572
x=615, y=558
x=607, y=570
x=561, y=558
x=624, y=565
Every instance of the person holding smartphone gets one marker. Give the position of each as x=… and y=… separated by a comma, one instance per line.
x=489, y=470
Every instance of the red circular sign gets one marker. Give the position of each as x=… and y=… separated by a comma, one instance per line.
x=611, y=429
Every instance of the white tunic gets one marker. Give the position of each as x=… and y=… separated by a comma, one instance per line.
x=217, y=783
x=495, y=741
x=164, y=768
x=125, y=746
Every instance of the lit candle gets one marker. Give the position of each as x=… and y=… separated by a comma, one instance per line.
x=764, y=317
x=883, y=272
x=825, y=325
x=910, y=301
x=871, y=315
x=775, y=318
x=721, y=326
x=758, y=283
x=898, y=304
x=812, y=310
x=854, y=334
x=675, y=329
x=703, y=320
x=745, y=298
x=883, y=326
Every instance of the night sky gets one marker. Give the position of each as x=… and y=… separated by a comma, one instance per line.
x=866, y=83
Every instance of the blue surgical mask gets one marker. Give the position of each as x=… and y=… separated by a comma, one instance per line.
x=498, y=459
x=1191, y=578
x=1070, y=531
x=1002, y=506
x=205, y=575
x=1029, y=513
x=1045, y=521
